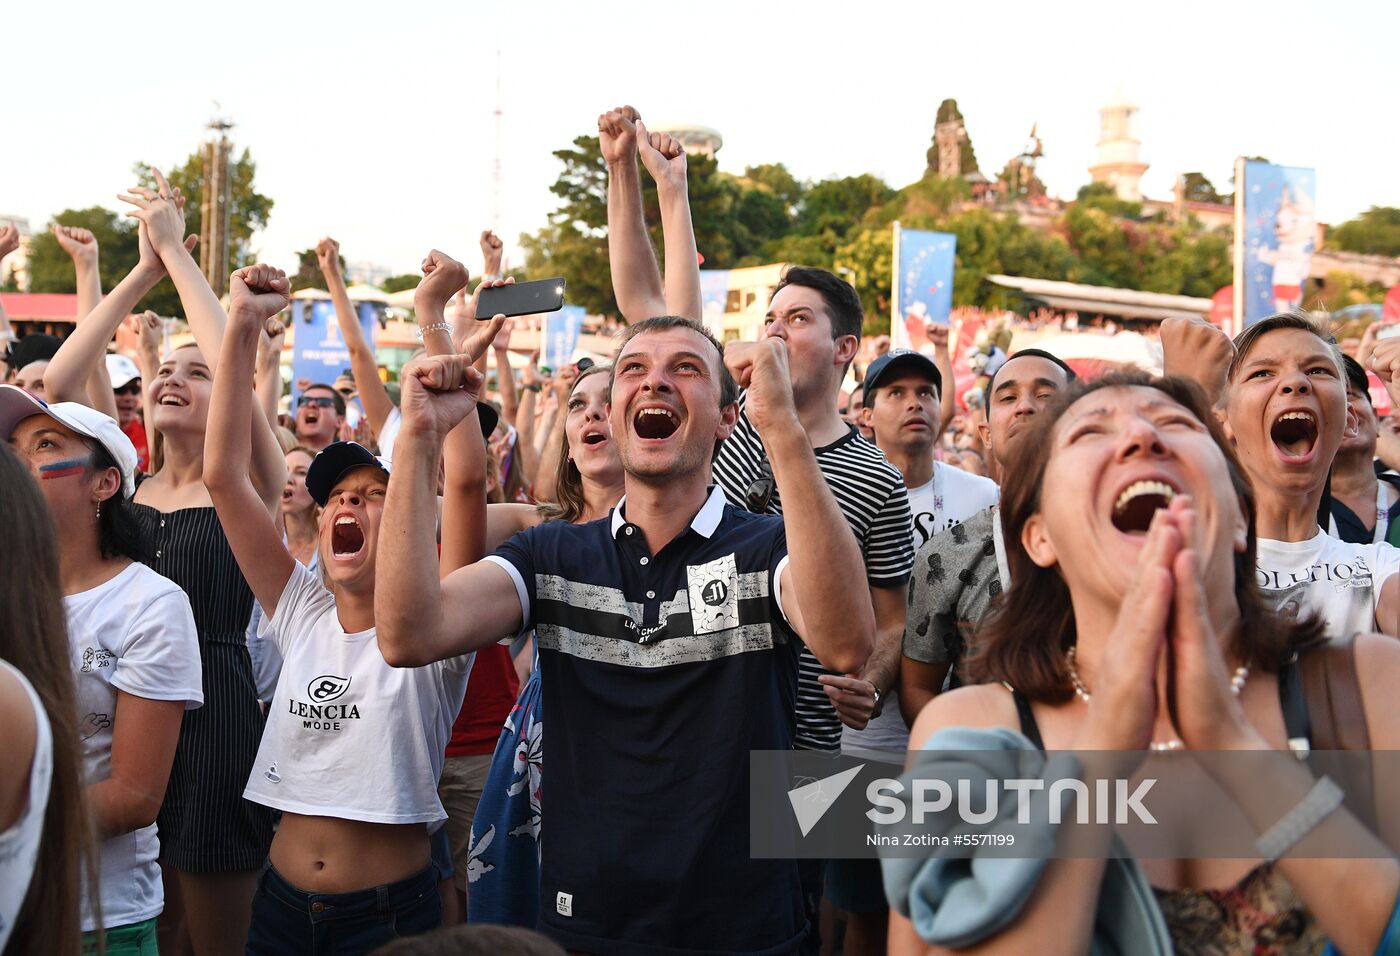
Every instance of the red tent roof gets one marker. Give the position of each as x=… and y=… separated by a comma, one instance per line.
x=40, y=306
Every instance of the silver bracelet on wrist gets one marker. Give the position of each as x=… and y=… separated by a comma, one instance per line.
x=1324, y=797
x=435, y=327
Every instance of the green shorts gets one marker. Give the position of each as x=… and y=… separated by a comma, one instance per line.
x=134, y=939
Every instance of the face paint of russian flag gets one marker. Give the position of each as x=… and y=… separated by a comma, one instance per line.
x=62, y=469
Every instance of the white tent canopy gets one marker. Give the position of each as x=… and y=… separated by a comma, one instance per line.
x=1125, y=348
x=1127, y=303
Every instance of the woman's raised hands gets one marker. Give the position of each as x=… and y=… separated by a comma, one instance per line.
x=162, y=215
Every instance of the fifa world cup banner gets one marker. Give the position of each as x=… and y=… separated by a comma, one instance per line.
x=923, y=285
x=1275, y=233
x=561, y=331
x=319, y=352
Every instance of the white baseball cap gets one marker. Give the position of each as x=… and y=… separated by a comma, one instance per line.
x=16, y=405
x=121, y=370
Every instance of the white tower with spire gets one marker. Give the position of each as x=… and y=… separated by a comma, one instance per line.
x=1116, y=159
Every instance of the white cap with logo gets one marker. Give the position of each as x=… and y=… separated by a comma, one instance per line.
x=121, y=370
x=16, y=405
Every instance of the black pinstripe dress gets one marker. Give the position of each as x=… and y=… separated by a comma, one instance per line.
x=205, y=824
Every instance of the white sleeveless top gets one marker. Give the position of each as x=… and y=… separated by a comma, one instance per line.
x=19, y=845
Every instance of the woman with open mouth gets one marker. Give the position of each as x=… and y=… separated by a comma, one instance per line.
x=353, y=747
x=503, y=862
x=1134, y=624
x=1286, y=410
x=212, y=840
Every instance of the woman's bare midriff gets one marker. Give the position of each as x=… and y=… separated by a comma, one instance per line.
x=330, y=855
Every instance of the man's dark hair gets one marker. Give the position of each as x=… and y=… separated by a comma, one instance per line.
x=117, y=531
x=1356, y=376
x=34, y=347
x=728, y=388
x=1296, y=319
x=339, y=398
x=1023, y=353
x=842, y=303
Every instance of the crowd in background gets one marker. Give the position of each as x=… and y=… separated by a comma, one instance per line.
x=277, y=675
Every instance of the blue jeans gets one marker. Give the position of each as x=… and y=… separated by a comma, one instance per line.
x=288, y=920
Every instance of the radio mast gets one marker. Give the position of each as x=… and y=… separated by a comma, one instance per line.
x=496, y=175
x=214, y=207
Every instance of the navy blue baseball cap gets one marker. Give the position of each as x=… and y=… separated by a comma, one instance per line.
x=334, y=461
x=897, y=360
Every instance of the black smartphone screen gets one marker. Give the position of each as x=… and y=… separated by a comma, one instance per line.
x=522, y=298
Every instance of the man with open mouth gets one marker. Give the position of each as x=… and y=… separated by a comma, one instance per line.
x=320, y=413
x=667, y=638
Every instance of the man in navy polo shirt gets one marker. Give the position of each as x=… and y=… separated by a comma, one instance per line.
x=666, y=636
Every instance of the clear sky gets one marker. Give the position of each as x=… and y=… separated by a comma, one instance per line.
x=372, y=122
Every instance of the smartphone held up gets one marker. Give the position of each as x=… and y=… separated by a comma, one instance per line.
x=521, y=298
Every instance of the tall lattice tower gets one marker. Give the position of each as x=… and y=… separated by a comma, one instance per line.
x=214, y=207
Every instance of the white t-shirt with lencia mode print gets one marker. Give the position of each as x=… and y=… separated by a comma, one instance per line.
x=347, y=735
x=1335, y=578
x=135, y=634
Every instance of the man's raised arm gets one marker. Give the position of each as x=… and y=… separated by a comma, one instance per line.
x=836, y=622
x=636, y=278
x=420, y=620
x=664, y=158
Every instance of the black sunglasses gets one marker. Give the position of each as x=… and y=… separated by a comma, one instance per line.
x=320, y=401
x=131, y=388
x=760, y=491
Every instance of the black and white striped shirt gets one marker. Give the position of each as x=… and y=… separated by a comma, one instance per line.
x=871, y=494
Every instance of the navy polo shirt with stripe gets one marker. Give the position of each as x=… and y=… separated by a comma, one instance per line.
x=659, y=674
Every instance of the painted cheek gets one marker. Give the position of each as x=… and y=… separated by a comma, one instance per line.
x=63, y=469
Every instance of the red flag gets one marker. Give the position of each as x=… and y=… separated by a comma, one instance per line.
x=1222, y=308
x=1390, y=309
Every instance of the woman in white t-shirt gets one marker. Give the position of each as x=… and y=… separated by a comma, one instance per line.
x=134, y=652
x=353, y=747
x=1286, y=411
x=43, y=819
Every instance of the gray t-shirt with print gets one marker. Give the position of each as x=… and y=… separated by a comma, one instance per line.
x=954, y=580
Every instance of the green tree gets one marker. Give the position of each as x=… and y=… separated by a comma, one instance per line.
x=776, y=180
x=865, y=261
x=836, y=205
x=1197, y=188
x=1375, y=231
x=248, y=209
x=308, y=274
x=735, y=223
x=1105, y=197
x=409, y=280
x=1341, y=289
x=50, y=269
x=1108, y=250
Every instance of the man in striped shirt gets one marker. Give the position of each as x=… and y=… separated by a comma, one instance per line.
x=819, y=316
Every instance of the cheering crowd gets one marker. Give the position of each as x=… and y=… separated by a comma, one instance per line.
x=269, y=689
